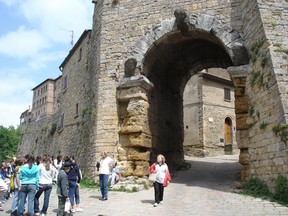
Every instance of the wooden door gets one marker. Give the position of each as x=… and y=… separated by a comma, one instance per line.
x=228, y=131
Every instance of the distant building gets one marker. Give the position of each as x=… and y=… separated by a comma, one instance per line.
x=25, y=117
x=209, y=114
x=44, y=99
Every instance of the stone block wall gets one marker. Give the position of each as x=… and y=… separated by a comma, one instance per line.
x=261, y=91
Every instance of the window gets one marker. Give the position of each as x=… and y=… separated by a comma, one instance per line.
x=62, y=121
x=227, y=94
x=77, y=109
x=80, y=54
x=65, y=83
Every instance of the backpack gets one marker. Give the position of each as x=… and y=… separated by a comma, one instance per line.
x=12, y=185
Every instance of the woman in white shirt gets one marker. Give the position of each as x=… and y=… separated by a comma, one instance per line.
x=104, y=172
x=163, y=178
x=47, y=174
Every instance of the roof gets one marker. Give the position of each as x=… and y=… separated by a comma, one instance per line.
x=84, y=34
x=49, y=79
x=218, y=79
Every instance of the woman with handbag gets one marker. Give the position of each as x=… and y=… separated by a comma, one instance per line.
x=161, y=171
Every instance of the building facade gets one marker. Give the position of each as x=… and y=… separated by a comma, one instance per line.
x=43, y=100
x=140, y=57
x=209, y=114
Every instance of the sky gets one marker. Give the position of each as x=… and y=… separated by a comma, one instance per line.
x=35, y=38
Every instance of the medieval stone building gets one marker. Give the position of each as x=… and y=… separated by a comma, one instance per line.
x=132, y=69
x=209, y=114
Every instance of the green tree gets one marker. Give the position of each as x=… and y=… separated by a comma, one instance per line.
x=9, y=139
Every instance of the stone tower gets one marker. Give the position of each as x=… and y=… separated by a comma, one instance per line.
x=141, y=55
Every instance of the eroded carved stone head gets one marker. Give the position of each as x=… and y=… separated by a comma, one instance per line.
x=130, y=67
x=180, y=16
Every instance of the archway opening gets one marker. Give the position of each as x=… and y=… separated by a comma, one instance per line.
x=169, y=66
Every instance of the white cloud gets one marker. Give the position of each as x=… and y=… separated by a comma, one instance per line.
x=22, y=43
x=42, y=60
x=55, y=17
x=15, y=97
x=36, y=47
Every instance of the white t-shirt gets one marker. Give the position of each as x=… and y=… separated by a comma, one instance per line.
x=46, y=176
x=161, y=172
x=105, y=165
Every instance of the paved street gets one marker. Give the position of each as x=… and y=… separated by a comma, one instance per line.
x=205, y=189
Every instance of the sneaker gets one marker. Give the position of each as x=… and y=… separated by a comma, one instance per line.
x=79, y=210
x=73, y=210
x=104, y=199
x=161, y=202
x=43, y=214
x=37, y=213
x=155, y=204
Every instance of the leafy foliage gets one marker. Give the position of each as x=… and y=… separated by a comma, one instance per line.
x=256, y=187
x=9, y=139
x=281, y=189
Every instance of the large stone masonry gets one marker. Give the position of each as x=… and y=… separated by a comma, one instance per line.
x=134, y=135
x=239, y=78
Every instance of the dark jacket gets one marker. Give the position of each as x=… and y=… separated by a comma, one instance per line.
x=62, y=180
x=74, y=173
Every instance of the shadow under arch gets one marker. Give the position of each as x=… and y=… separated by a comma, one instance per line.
x=170, y=61
x=165, y=59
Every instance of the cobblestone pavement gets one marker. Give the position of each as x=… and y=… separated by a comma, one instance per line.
x=205, y=189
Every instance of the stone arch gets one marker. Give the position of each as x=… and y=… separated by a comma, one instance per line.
x=151, y=119
x=201, y=24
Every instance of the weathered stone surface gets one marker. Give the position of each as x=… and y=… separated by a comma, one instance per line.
x=241, y=121
x=141, y=140
x=141, y=168
x=243, y=139
x=94, y=79
x=133, y=154
x=244, y=157
x=242, y=104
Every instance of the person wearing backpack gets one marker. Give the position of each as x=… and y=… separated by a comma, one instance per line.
x=17, y=185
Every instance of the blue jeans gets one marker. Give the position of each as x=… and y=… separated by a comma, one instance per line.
x=103, y=180
x=26, y=190
x=15, y=200
x=71, y=191
x=77, y=195
x=46, y=188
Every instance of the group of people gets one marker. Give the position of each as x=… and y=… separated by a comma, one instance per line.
x=31, y=178
x=108, y=167
x=26, y=179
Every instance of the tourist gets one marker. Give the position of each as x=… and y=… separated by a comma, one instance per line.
x=73, y=179
x=3, y=189
x=38, y=160
x=57, y=163
x=47, y=173
x=163, y=178
x=104, y=172
x=29, y=177
x=17, y=185
x=5, y=175
x=62, y=188
x=115, y=174
x=77, y=191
